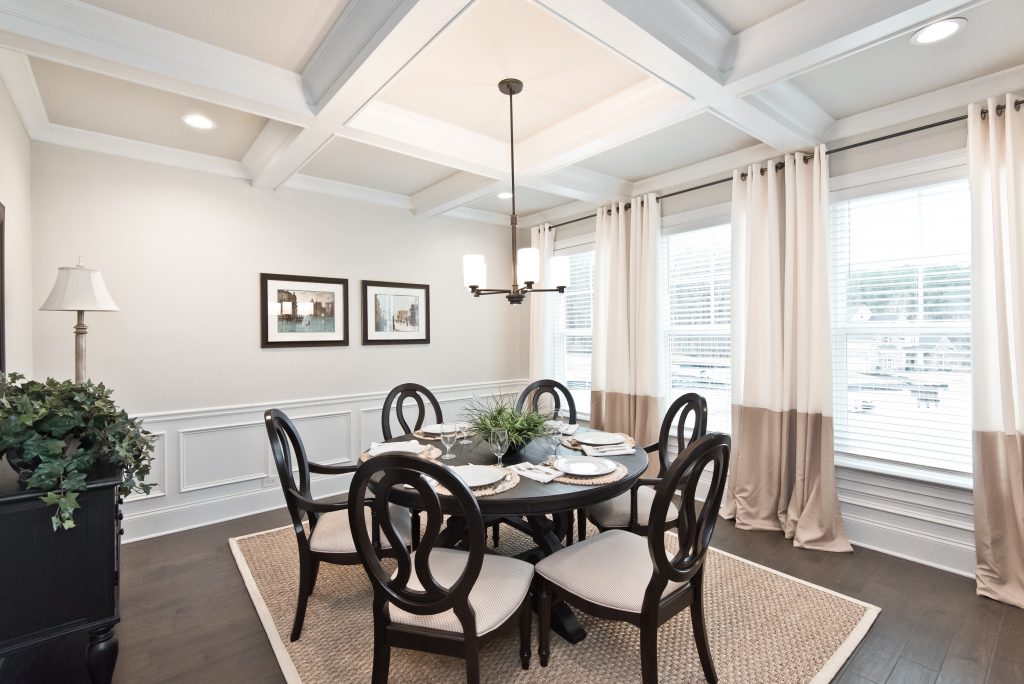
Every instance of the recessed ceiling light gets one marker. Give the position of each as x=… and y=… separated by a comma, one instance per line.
x=940, y=30
x=200, y=121
x=504, y=195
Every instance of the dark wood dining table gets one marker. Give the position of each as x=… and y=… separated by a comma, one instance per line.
x=541, y=510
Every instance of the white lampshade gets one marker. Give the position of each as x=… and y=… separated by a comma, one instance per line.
x=528, y=267
x=306, y=308
x=474, y=270
x=560, y=271
x=79, y=289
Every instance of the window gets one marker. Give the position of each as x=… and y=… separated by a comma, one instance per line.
x=573, y=329
x=901, y=317
x=696, y=283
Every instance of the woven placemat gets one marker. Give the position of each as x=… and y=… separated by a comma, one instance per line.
x=571, y=443
x=510, y=480
x=433, y=453
x=614, y=476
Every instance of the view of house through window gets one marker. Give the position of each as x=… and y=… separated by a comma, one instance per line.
x=696, y=283
x=901, y=315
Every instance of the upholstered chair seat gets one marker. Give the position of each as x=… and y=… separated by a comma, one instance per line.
x=614, y=513
x=333, y=535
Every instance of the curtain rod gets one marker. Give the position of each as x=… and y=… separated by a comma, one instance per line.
x=807, y=157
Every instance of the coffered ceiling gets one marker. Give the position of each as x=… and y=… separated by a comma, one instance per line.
x=395, y=101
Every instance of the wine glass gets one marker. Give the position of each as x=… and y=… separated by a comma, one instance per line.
x=499, y=443
x=464, y=425
x=449, y=433
x=554, y=430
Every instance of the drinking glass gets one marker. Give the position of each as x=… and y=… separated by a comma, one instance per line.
x=464, y=424
x=499, y=443
x=449, y=433
x=554, y=430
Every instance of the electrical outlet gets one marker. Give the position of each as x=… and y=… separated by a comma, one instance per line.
x=269, y=482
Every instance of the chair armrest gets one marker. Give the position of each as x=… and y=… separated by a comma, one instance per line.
x=648, y=481
x=311, y=506
x=324, y=469
x=634, y=524
x=651, y=448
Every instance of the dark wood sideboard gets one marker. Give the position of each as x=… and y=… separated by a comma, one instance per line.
x=58, y=586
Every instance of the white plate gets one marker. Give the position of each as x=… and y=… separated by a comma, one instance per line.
x=584, y=465
x=432, y=429
x=599, y=438
x=479, y=475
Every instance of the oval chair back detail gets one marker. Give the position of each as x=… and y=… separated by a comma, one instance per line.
x=328, y=539
x=558, y=392
x=400, y=394
x=640, y=583
x=690, y=404
x=439, y=600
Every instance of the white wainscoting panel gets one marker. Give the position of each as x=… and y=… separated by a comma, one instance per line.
x=214, y=464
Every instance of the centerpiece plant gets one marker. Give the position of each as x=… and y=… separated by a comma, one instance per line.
x=499, y=413
x=56, y=434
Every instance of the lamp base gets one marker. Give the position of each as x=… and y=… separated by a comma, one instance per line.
x=80, y=332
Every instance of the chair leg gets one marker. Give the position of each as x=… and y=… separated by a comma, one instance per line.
x=570, y=523
x=525, y=623
x=313, y=575
x=544, y=622
x=494, y=533
x=649, y=653
x=305, y=570
x=700, y=635
x=381, y=661
x=581, y=524
x=472, y=661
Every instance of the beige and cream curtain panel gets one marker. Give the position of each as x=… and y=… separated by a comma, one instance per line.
x=625, y=373
x=996, y=165
x=542, y=238
x=782, y=475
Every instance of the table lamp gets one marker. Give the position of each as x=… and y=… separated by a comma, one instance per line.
x=79, y=289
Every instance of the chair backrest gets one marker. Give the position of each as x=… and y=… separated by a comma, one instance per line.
x=284, y=444
x=535, y=390
x=383, y=473
x=695, y=529
x=417, y=393
x=690, y=405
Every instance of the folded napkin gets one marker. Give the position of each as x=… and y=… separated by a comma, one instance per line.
x=570, y=429
x=617, y=450
x=412, y=445
x=536, y=472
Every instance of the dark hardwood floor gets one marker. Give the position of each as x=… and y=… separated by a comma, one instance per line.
x=186, y=616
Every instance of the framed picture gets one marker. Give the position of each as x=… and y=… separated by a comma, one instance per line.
x=303, y=311
x=395, y=313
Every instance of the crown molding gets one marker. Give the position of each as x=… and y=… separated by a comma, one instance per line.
x=325, y=186
x=479, y=216
x=16, y=73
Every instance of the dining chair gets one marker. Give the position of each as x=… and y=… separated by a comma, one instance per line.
x=631, y=510
x=329, y=538
x=397, y=398
x=439, y=600
x=618, y=575
x=558, y=392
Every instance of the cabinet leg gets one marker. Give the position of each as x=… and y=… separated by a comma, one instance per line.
x=102, y=656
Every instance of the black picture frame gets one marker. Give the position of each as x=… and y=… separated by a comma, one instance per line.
x=270, y=339
x=373, y=336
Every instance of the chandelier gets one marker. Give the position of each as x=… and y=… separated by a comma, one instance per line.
x=526, y=261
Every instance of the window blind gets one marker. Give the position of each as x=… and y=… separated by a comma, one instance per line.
x=695, y=297
x=901, y=315
x=573, y=330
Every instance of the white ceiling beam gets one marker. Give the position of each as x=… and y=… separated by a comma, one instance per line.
x=817, y=32
x=780, y=115
x=928, y=104
x=453, y=192
x=325, y=186
x=479, y=216
x=87, y=37
x=578, y=183
x=16, y=73
x=396, y=40
x=271, y=141
x=559, y=213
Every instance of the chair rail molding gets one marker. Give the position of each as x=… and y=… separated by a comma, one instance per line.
x=214, y=464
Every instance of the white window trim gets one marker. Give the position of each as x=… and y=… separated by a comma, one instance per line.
x=936, y=168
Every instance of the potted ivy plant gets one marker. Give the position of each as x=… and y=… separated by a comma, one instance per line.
x=499, y=413
x=56, y=434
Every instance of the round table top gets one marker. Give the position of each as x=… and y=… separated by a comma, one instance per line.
x=530, y=497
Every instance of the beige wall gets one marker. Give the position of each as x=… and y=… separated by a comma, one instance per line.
x=181, y=253
x=15, y=172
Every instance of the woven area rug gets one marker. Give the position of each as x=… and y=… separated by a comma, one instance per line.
x=763, y=626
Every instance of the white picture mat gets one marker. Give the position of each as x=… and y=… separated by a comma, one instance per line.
x=273, y=309
x=372, y=291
